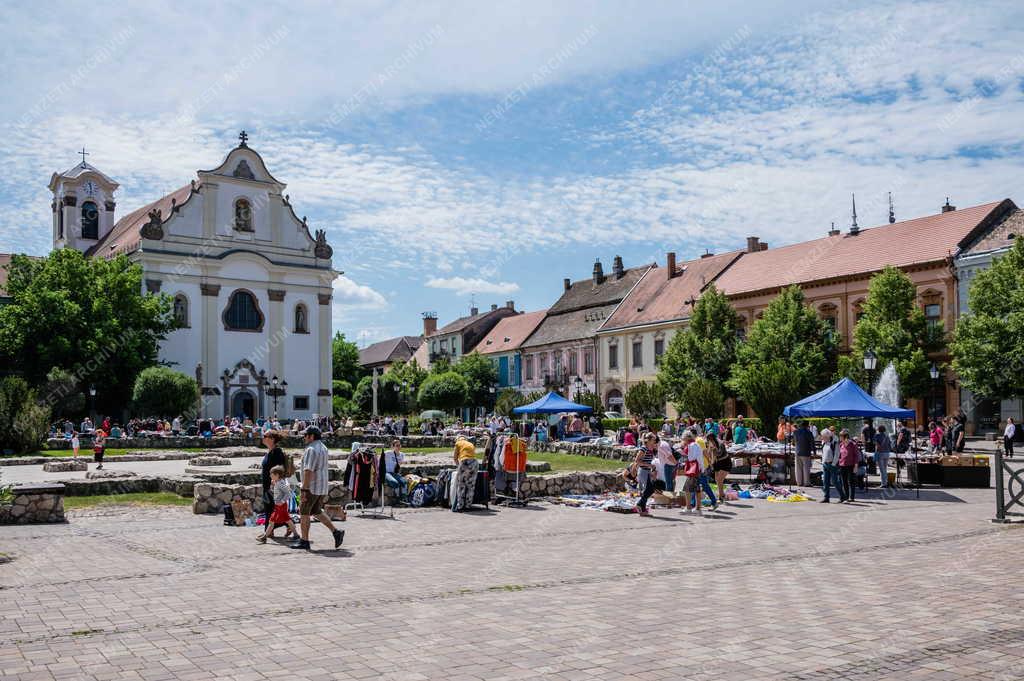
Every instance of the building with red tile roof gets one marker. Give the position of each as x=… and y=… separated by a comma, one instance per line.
x=502, y=345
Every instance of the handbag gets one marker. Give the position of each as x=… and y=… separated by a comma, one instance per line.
x=691, y=469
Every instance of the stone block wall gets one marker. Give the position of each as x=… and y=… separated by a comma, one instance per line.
x=611, y=452
x=34, y=504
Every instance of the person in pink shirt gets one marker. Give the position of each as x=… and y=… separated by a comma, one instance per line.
x=849, y=457
x=935, y=434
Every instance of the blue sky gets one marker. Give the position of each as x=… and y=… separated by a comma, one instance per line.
x=458, y=149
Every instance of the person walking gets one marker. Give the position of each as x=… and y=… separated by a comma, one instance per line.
x=645, y=469
x=281, y=492
x=313, y=494
x=935, y=437
x=804, y=441
x=274, y=457
x=75, y=444
x=667, y=463
x=99, y=447
x=1008, y=435
x=464, y=479
x=721, y=466
x=849, y=458
x=692, y=469
x=830, y=466
x=710, y=448
x=883, y=450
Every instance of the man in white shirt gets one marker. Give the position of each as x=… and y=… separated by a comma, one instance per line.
x=315, y=485
x=1008, y=435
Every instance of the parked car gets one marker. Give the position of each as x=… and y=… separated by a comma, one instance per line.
x=612, y=415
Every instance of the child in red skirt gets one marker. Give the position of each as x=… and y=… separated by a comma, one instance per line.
x=280, y=516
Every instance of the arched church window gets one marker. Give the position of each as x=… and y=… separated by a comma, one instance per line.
x=181, y=310
x=301, y=319
x=90, y=221
x=243, y=215
x=243, y=312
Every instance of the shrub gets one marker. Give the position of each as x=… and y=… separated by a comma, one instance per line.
x=445, y=391
x=160, y=391
x=23, y=422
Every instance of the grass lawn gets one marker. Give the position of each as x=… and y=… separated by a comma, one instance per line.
x=87, y=452
x=571, y=462
x=134, y=499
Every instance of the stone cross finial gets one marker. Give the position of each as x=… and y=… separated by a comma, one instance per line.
x=84, y=153
x=243, y=138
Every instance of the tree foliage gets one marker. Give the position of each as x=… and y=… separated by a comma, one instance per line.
x=646, y=399
x=988, y=345
x=701, y=397
x=345, y=360
x=590, y=399
x=893, y=326
x=446, y=392
x=789, y=350
x=480, y=375
x=704, y=350
x=87, y=316
x=160, y=391
x=23, y=420
x=63, y=394
x=509, y=399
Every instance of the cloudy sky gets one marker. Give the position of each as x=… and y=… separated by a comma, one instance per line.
x=466, y=150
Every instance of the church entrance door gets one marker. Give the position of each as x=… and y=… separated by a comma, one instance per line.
x=243, y=405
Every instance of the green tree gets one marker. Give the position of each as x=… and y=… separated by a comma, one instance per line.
x=988, y=345
x=592, y=400
x=788, y=354
x=705, y=349
x=341, y=388
x=509, y=399
x=345, y=359
x=701, y=397
x=893, y=326
x=446, y=392
x=87, y=316
x=23, y=421
x=160, y=391
x=63, y=394
x=388, y=399
x=409, y=376
x=481, y=375
x=646, y=399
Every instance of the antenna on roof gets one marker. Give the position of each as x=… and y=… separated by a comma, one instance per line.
x=854, y=229
x=892, y=211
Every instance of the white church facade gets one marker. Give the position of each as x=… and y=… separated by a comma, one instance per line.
x=251, y=285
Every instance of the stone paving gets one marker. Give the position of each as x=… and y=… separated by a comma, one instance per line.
x=887, y=589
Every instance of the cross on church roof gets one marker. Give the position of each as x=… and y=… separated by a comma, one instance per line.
x=84, y=153
x=243, y=138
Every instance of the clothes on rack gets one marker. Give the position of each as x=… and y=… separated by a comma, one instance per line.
x=361, y=475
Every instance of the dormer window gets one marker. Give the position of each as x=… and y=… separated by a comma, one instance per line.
x=243, y=215
x=90, y=221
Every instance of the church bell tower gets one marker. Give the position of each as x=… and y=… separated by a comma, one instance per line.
x=83, y=206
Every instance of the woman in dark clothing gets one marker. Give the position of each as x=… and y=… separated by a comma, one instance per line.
x=274, y=457
x=645, y=470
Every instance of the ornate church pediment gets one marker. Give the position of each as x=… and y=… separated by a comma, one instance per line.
x=244, y=163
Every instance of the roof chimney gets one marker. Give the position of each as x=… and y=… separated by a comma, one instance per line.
x=892, y=210
x=670, y=264
x=706, y=254
x=617, y=267
x=598, y=272
x=429, y=323
x=566, y=283
x=834, y=231
x=753, y=245
x=474, y=311
x=494, y=306
x=764, y=245
x=510, y=304
x=948, y=208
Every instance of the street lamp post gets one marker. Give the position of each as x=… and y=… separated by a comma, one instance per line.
x=405, y=396
x=870, y=364
x=276, y=390
x=579, y=387
x=92, y=404
x=934, y=372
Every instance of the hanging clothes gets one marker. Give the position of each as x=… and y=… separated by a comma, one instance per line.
x=361, y=475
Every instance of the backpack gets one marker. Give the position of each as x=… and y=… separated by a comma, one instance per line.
x=229, y=515
x=423, y=494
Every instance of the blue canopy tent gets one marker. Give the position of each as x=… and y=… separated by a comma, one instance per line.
x=552, y=403
x=846, y=398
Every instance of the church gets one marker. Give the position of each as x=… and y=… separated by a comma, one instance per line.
x=251, y=285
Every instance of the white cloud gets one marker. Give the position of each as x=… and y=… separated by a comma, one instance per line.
x=465, y=286
x=350, y=295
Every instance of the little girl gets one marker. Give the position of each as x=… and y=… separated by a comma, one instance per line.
x=75, y=444
x=935, y=437
x=280, y=516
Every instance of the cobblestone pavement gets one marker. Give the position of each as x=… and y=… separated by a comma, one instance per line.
x=887, y=589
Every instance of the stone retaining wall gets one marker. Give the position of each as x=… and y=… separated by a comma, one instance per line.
x=34, y=504
x=611, y=452
x=210, y=497
x=180, y=485
x=290, y=442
